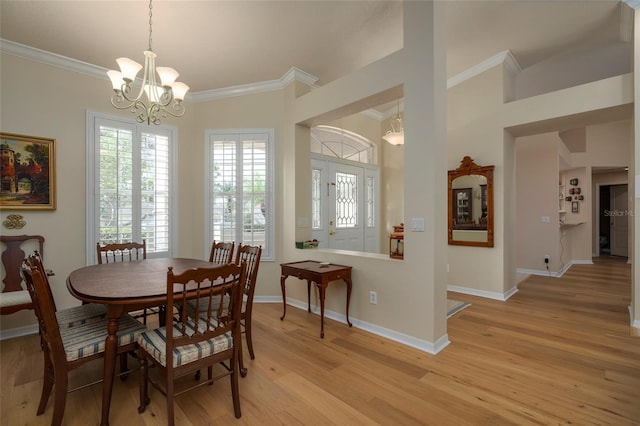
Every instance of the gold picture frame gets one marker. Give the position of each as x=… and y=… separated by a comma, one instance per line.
x=27, y=172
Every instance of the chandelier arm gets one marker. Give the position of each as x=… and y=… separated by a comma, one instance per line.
x=126, y=90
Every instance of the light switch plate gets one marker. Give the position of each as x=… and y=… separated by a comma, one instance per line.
x=417, y=224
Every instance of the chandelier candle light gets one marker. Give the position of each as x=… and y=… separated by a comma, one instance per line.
x=395, y=136
x=161, y=99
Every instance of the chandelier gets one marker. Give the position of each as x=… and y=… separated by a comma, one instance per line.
x=395, y=136
x=154, y=100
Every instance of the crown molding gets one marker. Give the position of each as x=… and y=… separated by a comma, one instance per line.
x=293, y=74
x=505, y=58
x=53, y=59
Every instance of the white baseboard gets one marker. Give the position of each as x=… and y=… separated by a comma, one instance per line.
x=635, y=323
x=481, y=293
x=581, y=262
x=429, y=347
x=545, y=273
x=18, y=332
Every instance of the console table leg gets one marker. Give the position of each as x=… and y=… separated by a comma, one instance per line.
x=348, y=281
x=284, y=296
x=322, y=289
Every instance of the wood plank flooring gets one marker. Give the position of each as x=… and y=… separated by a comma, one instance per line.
x=559, y=351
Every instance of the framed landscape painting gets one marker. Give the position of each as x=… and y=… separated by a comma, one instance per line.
x=27, y=170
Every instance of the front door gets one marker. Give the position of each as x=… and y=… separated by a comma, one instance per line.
x=344, y=206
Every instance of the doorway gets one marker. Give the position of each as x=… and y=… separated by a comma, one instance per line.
x=613, y=236
x=345, y=205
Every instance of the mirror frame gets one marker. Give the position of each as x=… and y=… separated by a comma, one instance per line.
x=468, y=167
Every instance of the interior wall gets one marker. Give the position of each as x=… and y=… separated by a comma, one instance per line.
x=473, y=130
x=416, y=284
x=577, y=227
x=537, y=176
x=558, y=72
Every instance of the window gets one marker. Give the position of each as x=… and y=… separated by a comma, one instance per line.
x=340, y=143
x=239, y=204
x=129, y=193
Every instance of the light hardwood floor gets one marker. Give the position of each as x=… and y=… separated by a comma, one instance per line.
x=559, y=351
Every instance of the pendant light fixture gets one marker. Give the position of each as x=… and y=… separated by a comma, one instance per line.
x=153, y=100
x=395, y=136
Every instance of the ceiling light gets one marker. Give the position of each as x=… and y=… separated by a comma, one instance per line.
x=154, y=100
x=395, y=136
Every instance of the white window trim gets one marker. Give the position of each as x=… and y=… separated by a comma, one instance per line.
x=92, y=173
x=268, y=253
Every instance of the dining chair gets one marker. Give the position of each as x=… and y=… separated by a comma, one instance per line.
x=250, y=255
x=221, y=252
x=69, y=317
x=14, y=297
x=127, y=252
x=68, y=350
x=186, y=345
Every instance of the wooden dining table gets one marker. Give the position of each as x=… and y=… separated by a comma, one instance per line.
x=124, y=287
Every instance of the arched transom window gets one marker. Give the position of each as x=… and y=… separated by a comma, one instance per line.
x=339, y=143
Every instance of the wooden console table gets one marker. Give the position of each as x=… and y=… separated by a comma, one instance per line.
x=321, y=274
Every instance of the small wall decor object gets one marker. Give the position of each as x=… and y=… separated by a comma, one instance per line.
x=573, y=182
x=577, y=191
x=14, y=221
x=575, y=207
x=581, y=197
x=572, y=191
x=396, y=242
x=567, y=198
x=27, y=170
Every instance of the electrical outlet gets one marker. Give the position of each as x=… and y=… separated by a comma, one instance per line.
x=373, y=297
x=547, y=258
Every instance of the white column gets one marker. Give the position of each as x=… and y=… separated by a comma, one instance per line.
x=425, y=161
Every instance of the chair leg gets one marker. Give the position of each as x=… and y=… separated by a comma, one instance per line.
x=247, y=332
x=170, y=393
x=234, y=384
x=60, y=396
x=241, y=367
x=123, y=366
x=47, y=384
x=143, y=385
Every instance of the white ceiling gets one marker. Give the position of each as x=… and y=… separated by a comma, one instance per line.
x=220, y=44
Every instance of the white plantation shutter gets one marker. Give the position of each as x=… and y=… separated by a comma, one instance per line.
x=130, y=185
x=239, y=182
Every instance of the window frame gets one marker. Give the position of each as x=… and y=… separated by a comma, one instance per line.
x=268, y=249
x=94, y=120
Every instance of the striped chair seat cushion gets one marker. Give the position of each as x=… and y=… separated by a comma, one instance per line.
x=79, y=315
x=154, y=343
x=89, y=339
x=215, y=300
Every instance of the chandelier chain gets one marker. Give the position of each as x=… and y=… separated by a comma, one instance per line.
x=150, y=28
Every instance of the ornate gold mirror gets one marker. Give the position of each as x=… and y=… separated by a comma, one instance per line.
x=470, y=193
